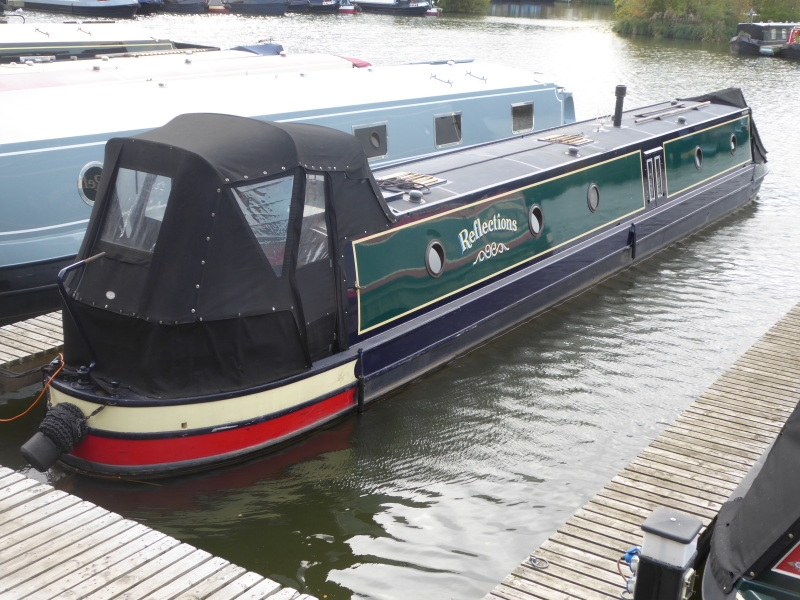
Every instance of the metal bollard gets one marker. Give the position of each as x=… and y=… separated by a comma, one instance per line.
x=665, y=570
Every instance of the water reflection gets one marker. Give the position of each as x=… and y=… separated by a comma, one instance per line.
x=441, y=489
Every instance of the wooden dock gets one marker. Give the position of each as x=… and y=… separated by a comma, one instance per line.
x=693, y=466
x=25, y=347
x=55, y=545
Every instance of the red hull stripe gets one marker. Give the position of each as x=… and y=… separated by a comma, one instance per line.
x=163, y=451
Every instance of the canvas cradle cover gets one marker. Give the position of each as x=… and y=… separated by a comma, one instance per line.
x=205, y=310
x=752, y=532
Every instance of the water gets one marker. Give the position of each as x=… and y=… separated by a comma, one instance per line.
x=441, y=489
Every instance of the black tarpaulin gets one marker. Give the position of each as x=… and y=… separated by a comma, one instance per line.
x=187, y=298
x=735, y=97
x=752, y=532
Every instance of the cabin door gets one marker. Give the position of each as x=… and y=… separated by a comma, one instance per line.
x=314, y=273
x=655, y=188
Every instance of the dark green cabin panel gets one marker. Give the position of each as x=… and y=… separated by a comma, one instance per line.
x=483, y=239
x=715, y=144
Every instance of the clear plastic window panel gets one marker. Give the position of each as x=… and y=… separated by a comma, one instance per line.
x=314, y=231
x=522, y=118
x=136, y=210
x=447, y=129
x=266, y=207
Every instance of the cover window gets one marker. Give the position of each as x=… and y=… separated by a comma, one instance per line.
x=136, y=209
x=447, y=130
x=314, y=229
x=266, y=207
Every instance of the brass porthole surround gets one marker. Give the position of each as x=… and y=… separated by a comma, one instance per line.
x=593, y=197
x=535, y=220
x=434, y=258
x=698, y=158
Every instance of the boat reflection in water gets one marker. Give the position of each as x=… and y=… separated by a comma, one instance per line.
x=242, y=283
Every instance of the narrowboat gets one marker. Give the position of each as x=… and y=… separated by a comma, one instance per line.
x=298, y=6
x=753, y=39
x=185, y=6
x=242, y=283
x=755, y=538
x=69, y=41
x=118, y=9
x=149, y=7
x=791, y=49
x=415, y=8
x=260, y=7
x=324, y=6
x=50, y=166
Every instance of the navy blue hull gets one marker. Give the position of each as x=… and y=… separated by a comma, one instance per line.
x=394, y=9
x=29, y=290
x=187, y=8
x=271, y=8
x=318, y=7
x=478, y=317
x=119, y=12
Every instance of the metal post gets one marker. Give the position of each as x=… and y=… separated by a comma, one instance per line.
x=61, y=276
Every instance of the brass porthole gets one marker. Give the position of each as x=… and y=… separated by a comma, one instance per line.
x=536, y=220
x=698, y=158
x=593, y=197
x=734, y=143
x=434, y=258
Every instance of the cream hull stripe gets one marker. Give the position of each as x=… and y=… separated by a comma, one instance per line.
x=218, y=413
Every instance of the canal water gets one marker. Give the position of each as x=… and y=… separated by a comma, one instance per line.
x=438, y=491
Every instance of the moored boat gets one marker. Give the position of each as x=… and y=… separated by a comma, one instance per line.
x=259, y=7
x=753, y=39
x=347, y=8
x=390, y=109
x=791, y=49
x=324, y=6
x=55, y=42
x=119, y=9
x=298, y=6
x=244, y=282
x=185, y=6
x=396, y=7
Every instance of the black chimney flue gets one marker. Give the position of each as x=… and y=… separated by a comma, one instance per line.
x=620, y=93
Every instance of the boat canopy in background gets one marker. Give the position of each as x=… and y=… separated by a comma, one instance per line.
x=735, y=97
x=202, y=222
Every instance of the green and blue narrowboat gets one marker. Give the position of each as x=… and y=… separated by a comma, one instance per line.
x=242, y=283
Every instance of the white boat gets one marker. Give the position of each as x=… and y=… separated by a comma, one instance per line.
x=50, y=165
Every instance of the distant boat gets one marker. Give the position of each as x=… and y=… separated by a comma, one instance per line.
x=753, y=39
x=324, y=6
x=396, y=7
x=791, y=49
x=258, y=7
x=184, y=6
x=298, y=6
x=120, y=9
x=79, y=40
x=148, y=7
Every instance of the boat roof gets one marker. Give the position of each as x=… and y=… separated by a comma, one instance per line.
x=484, y=167
x=175, y=64
x=303, y=93
x=43, y=34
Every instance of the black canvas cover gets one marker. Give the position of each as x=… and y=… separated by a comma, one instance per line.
x=187, y=300
x=735, y=97
x=752, y=532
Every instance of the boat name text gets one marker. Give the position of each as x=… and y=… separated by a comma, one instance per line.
x=479, y=229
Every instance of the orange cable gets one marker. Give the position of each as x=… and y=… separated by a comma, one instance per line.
x=39, y=397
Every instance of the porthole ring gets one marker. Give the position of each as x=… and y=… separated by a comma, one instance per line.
x=434, y=258
x=593, y=197
x=89, y=181
x=698, y=158
x=535, y=220
x=734, y=143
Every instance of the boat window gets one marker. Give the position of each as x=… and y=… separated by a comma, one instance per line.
x=447, y=130
x=266, y=207
x=434, y=258
x=522, y=117
x=536, y=220
x=593, y=197
x=374, y=139
x=136, y=210
x=651, y=183
x=659, y=180
x=314, y=230
x=698, y=157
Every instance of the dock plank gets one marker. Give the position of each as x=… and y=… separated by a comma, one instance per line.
x=55, y=545
x=692, y=466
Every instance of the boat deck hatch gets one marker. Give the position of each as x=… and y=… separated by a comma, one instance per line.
x=570, y=140
x=397, y=184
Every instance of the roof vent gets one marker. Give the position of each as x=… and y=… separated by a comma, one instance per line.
x=573, y=151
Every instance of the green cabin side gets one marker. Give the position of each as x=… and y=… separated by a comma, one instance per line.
x=483, y=239
x=719, y=154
